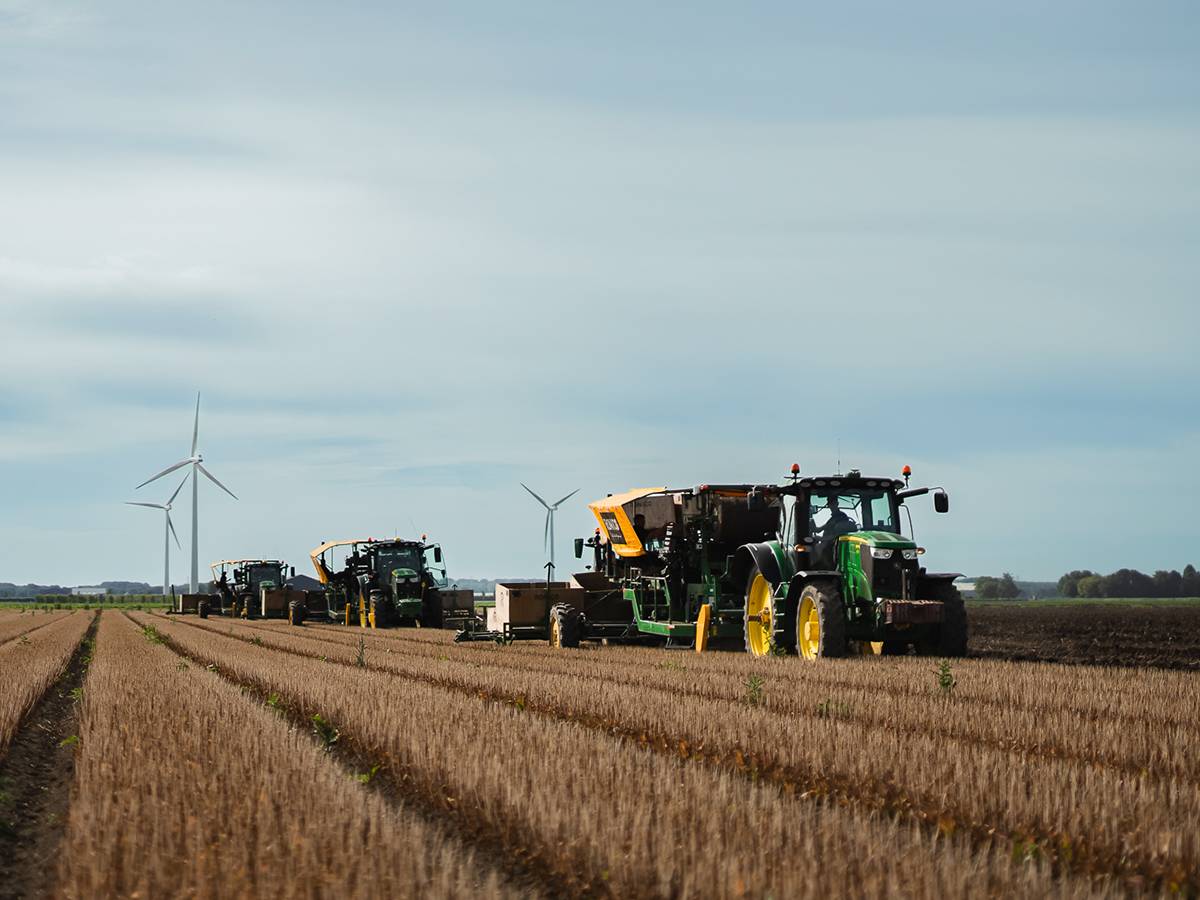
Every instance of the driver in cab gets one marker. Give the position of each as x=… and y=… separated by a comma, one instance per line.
x=838, y=523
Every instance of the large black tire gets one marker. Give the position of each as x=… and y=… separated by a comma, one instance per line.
x=202, y=609
x=821, y=607
x=296, y=612
x=381, y=610
x=782, y=631
x=566, y=630
x=950, y=640
x=895, y=648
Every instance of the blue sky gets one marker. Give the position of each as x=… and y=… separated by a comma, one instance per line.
x=415, y=254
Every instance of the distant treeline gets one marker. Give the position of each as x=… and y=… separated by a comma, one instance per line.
x=9, y=591
x=1131, y=583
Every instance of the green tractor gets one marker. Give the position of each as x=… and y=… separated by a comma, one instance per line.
x=817, y=566
x=390, y=582
x=238, y=584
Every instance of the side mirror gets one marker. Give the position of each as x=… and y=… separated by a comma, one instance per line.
x=292, y=569
x=579, y=548
x=437, y=554
x=941, y=502
x=755, y=499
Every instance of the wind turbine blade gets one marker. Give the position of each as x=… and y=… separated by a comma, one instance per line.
x=196, y=426
x=209, y=475
x=166, y=471
x=177, y=490
x=151, y=505
x=566, y=498
x=535, y=496
x=171, y=525
x=546, y=534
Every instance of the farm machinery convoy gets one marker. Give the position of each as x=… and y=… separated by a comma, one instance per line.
x=817, y=566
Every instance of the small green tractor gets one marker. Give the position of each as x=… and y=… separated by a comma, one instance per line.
x=390, y=582
x=817, y=566
x=239, y=583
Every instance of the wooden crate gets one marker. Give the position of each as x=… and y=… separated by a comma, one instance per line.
x=525, y=604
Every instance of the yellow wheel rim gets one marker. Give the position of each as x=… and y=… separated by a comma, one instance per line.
x=555, y=637
x=808, y=634
x=760, y=616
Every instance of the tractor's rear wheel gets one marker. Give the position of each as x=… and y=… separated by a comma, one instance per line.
x=821, y=622
x=766, y=627
x=566, y=630
x=950, y=639
x=295, y=612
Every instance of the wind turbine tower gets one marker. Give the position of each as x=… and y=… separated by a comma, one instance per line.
x=196, y=461
x=550, y=509
x=169, y=532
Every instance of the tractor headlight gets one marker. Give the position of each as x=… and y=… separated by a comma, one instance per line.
x=881, y=553
x=913, y=553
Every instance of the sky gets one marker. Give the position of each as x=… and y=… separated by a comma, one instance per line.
x=412, y=255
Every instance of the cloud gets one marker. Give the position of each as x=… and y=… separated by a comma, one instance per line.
x=446, y=253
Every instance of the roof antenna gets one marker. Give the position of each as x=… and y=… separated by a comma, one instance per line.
x=839, y=448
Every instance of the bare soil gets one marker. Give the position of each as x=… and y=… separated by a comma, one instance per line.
x=35, y=785
x=1166, y=637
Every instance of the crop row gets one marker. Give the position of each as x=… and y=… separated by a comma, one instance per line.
x=892, y=701
x=13, y=625
x=1119, y=694
x=31, y=663
x=185, y=788
x=595, y=808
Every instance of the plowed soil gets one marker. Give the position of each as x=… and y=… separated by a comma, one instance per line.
x=1166, y=637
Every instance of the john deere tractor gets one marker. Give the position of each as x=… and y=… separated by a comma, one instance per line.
x=816, y=566
x=842, y=577
x=238, y=583
x=390, y=582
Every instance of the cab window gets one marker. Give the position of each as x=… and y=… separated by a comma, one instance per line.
x=881, y=515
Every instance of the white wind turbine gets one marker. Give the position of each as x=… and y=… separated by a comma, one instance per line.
x=168, y=533
x=550, y=508
x=196, y=461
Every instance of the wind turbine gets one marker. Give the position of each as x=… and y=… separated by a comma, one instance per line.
x=196, y=461
x=550, y=508
x=168, y=533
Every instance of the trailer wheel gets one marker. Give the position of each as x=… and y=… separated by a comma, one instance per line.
x=202, y=609
x=565, y=627
x=895, y=648
x=950, y=640
x=295, y=612
x=821, y=623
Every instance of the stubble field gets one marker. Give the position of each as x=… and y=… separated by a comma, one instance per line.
x=152, y=755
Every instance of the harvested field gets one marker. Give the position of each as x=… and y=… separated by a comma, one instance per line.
x=243, y=806
x=1160, y=634
x=614, y=771
x=31, y=659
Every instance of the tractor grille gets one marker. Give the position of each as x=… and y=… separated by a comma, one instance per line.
x=886, y=576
